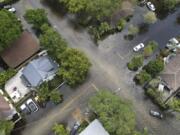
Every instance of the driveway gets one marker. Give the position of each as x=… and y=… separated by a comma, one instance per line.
x=108, y=71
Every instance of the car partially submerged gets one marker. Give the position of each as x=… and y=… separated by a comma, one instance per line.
x=75, y=128
x=10, y=8
x=32, y=105
x=156, y=114
x=138, y=47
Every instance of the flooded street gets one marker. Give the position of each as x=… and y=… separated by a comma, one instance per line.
x=109, y=69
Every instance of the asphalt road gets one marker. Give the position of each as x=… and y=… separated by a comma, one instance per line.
x=109, y=68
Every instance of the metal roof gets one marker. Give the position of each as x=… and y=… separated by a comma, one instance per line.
x=94, y=128
x=39, y=70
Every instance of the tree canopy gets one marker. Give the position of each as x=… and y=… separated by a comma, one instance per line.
x=10, y=29
x=142, y=77
x=74, y=66
x=136, y=62
x=95, y=8
x=6, y=75
x=154, y=67
x=37, y=17
x=52, y=41
x=116, y=115
x=6, y=127
x=150, y=48
x=170, y=4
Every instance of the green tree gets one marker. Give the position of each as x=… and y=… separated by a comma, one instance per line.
x=95, y=8
x=142, y=77
x=103, y=28
x=150, y=17
x=37, y=17
x=150, y=48
x=59, y=129
x=116, y=115
x=74, y=66
x=10, y=29
x=6, y=75
x=133, y=30
x=6, y=127
x=154, y=67
x=43, y=92
x=174, y=104
x=136, y=62
x=52, y=41
x=55, y=96
x=170, y=4
x=156, y=96
x=121, y=24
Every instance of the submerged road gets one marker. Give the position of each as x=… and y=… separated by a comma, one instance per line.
x=109, y=70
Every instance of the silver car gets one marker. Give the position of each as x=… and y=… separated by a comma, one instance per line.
x=156, y=114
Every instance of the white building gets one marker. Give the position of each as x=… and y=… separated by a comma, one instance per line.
x=94, y=128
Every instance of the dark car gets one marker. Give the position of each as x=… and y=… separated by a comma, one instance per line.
x=75, y=128
x=32, y=105
x=156, y=114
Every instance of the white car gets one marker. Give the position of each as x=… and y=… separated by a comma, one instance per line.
x=10, y=8
x=151, y=6
x=138, y=47
x=13, y=10
x=32, y=105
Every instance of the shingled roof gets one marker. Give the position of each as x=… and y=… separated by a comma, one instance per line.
x=5, y=110
x=22, y=49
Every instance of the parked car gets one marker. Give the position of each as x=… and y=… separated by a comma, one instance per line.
x=10, y=8
x=75, y=128
x=138, y=47
x=32, y=105
x=151, y=6
x=24, y=109
x=156, y=114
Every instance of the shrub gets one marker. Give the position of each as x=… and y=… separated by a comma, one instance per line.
x=55, y=96
x=154, y=67
x=121, y=24
x=174, y=104
x=135, y=63
x=156, y=96
x=100, y=31
x=133, y=30
x=150, y=17
x=150, y=48
x=142, y=77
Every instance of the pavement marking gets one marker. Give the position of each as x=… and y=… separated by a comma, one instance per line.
x=61, y=110
x=121, y=57
x=94, y=86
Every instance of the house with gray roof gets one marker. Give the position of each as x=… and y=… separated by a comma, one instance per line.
x=94, y=128
x=40, y=70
